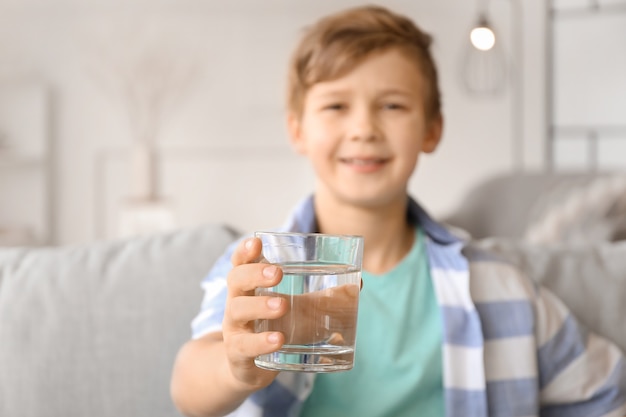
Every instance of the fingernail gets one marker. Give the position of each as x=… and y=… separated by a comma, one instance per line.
x=273, y=338
x=274, y=303
x=269, y=271
x=248, y=244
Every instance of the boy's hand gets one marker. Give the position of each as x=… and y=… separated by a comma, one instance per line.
x=313, y=317
x=242, y=344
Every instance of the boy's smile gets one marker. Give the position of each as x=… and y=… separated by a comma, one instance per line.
x=364, y=131
x=364, y=164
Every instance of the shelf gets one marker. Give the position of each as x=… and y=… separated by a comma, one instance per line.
x=21, y=161
x=25, y=163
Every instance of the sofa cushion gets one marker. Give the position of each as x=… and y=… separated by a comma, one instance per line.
x=506, y=205
x=593, y=210
x=93, y=330
x=589, y=278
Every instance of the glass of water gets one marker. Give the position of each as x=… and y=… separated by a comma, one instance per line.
x=321, y=284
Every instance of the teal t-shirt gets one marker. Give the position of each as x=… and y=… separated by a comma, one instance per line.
x=398, y=367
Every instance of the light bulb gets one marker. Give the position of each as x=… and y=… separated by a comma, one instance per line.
x=483, y=38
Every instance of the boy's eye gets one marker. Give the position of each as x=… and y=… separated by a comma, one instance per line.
x=393, y=106
x=335, y=106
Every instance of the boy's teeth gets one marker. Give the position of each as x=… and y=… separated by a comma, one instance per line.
x=363, y=161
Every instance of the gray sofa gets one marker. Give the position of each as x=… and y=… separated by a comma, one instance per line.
x=93, y=330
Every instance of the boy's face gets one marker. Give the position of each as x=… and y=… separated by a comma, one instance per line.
x=363, y=132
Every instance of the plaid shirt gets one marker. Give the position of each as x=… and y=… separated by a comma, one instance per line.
x=510, y=347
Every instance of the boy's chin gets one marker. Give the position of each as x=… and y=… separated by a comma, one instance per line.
x=373, y=201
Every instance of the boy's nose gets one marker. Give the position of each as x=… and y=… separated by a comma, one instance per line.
x=365, y=127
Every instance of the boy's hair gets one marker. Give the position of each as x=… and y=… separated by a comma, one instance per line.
x=337, y=43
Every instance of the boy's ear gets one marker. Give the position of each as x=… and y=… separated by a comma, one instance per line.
x=295, y=132
x=433, y=134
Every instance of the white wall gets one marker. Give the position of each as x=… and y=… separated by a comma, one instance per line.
x=224, y=151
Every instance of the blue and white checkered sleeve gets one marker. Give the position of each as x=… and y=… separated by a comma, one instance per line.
x=580, y=373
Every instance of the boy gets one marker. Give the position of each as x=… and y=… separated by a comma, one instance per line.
x=444, y=330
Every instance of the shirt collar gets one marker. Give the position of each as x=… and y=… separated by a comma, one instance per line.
x=303, y=220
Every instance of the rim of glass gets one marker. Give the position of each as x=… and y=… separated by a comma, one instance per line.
x=300, y=234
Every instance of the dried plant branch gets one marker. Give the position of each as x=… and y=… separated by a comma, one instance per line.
x=148, y=73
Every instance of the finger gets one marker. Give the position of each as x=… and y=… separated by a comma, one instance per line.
x=336, y=338
x=248, y=251
x=244, y=310
x=338, y=298
x=243, y=346
x=243, y=279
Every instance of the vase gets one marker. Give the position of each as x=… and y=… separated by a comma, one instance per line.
x=143, y=172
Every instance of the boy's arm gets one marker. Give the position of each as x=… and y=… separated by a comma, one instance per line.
x=580, y=373
x=202, y=385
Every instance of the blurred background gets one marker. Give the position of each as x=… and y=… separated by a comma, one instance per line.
x=121, y=118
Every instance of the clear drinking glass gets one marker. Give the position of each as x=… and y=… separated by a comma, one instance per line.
x=321, y=284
